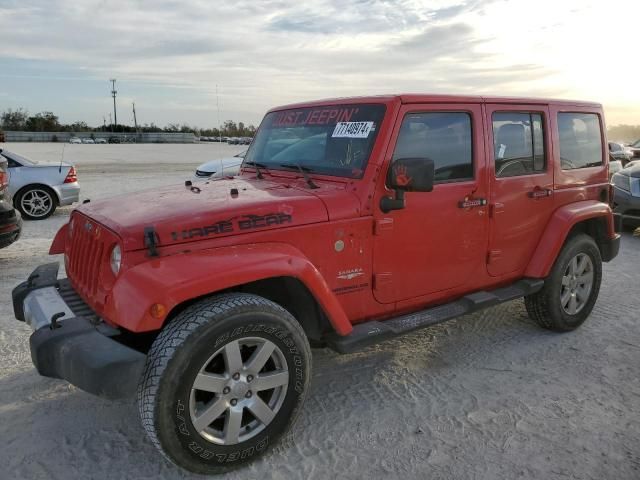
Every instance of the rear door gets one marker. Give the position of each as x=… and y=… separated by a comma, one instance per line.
x=521, y=173
x=437, y=241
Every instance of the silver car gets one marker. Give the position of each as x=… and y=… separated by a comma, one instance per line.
x=38, y=188
x=221, y=167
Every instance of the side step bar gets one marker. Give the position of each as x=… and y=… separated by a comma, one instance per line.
x=369, y=333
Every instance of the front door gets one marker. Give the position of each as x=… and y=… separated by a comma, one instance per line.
x=521, y=199
x=439, y=239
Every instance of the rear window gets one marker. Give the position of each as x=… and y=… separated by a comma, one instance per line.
x=580, y=140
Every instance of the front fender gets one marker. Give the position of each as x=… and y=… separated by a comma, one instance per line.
x=559, y=226
x=59, y=241
x=175, y=279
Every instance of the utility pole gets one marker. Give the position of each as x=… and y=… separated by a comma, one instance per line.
x=218, y=107
x=113, y=94
x=111, y=123
x=135, y=121
x=104, y=124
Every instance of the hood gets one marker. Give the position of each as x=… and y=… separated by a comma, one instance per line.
x=632, y=171
x=219, y=208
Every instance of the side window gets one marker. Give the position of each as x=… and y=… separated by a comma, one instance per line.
x=11, y=163
x=580, y=140
x=444, y=137
x=518, y=143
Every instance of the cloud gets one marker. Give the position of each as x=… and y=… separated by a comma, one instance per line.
x=260, y=54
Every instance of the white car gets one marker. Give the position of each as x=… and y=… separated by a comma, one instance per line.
x=38, y=188
x=620, y=151
x=100, y=140
x=221, y=167
x=75, y=140
x=88, y=140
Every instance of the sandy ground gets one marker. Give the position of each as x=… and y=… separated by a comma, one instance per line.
x=488, y=396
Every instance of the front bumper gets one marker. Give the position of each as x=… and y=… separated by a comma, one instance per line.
x=627, y=206
x=10, y=227
x=70, y=342
x=68, y=193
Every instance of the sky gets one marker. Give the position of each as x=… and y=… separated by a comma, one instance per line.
x=204, y=61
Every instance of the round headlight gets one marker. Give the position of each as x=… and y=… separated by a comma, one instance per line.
x=116, y=259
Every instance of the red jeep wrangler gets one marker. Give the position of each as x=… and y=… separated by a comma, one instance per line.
x=352, y=221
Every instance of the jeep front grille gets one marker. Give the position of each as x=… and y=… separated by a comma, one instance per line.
x=85, y=257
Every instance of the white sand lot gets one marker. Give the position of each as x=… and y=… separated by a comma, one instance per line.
x=488, y=396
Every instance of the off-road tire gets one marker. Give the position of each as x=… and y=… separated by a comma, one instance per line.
x=545, y=308
x=177, y=356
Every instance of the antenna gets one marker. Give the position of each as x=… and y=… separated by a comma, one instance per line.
x=61, y=157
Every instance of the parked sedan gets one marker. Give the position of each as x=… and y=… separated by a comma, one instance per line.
x=38, y=188
x=75, y=140
x=88, y=140
x=220, y=167
x=626, y=194
x=10, y=221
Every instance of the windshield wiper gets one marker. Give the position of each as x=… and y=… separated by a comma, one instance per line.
x=258, y=167
x=303, y=171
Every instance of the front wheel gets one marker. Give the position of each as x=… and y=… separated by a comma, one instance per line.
x=571, y=289
x=223, y=381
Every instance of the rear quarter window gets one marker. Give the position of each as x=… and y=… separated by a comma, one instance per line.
x=580, y=137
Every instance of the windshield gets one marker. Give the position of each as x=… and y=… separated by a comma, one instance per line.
x=331, y=140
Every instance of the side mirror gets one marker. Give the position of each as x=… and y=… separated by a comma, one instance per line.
x=408, y=175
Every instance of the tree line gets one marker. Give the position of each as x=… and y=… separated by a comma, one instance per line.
x=20, y=120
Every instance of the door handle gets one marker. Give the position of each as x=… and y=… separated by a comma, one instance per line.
x=472, y=202
x=540, y=193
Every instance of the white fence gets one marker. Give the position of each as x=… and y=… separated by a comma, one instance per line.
x=160, y=137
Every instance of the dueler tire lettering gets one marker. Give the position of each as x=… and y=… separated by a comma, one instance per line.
x=185, y=345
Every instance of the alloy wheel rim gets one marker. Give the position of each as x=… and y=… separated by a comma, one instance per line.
x=36, y=203
x=238, y=391
x=577, y=283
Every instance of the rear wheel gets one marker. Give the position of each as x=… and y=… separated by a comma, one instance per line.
x=36, y=203
x=223, y=381
x=571, y=289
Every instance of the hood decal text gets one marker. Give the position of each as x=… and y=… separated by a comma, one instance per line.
x=241, y=223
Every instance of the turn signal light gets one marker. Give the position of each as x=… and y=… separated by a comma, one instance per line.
x=158, y=311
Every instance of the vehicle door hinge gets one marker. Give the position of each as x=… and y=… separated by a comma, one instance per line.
x=382, y=280
x=493, y=256
x=495, y=209
x=383, y=225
